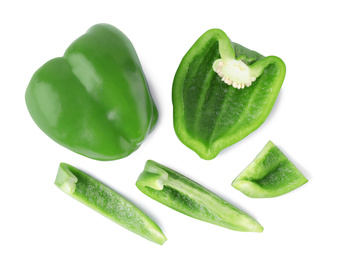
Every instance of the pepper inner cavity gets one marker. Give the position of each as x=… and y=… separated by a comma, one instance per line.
x=234, y=72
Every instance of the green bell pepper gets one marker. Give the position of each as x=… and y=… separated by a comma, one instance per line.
x=271, y=174
x=222, y=92
x=105, y=201
x=188, y=197
x=95, y=99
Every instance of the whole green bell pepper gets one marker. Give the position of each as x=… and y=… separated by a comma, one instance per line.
x=188, y=197
x=222, y=92
x=95, y=99
x=107, y=202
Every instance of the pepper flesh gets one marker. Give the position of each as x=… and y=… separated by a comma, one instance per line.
x=105, y=201
x=95, y=99
x=210, y=114
x=190, y=198
x=271, y=174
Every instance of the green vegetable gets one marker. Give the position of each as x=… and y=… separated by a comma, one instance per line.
x=222, y=92
x=188, y=197
x=271, y=174
x=105, y=201
x=94, y=100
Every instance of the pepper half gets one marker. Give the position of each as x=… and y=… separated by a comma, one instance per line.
x=95, y=99
x=190, y=198
x=222, y=92
x=107, y=202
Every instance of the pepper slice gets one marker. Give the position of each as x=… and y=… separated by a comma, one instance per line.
x=107, y=202
x=95, y=99
x=271, y=174
x=222, y=92
x=190, y=198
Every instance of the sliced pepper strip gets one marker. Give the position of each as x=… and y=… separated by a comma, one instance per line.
x=107, y=202
x=190, y=198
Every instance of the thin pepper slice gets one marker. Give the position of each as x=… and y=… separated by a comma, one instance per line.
x=270, y=174
x=107, y=202
x=222, y=92
x=190, y=198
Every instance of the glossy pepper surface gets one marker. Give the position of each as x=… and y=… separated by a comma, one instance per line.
x=222, y=92
x=271, y=174
x=188, y=197
x=95, y=99
x=107, y=202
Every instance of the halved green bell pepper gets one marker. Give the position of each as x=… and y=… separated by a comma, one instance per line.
x=188, y=197
x=270, y=174
x=107, y=202
x=222, y=92
x=95, y=99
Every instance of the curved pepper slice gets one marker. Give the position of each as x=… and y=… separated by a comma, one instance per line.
x=271, y=174
x=190, y=198
x=105, y=201
x=222, y=92
x=94, y=100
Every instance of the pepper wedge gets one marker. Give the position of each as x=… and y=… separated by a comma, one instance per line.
x=269, y=175
x=107, y=202
x=190, y=198
x=210, y=115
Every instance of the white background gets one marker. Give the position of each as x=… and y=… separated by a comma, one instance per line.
x=38, y=221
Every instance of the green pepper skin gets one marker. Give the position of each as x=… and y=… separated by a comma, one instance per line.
x=105, y=201
x=271, y=174
x=95, y=99
x=188, y=197
x=210, y=115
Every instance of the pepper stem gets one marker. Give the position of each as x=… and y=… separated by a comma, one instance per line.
x=236, y=72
